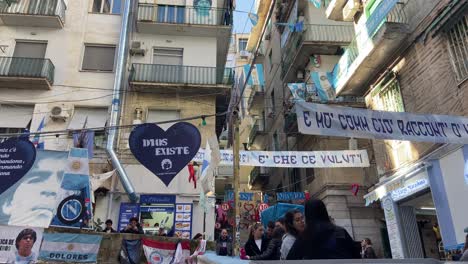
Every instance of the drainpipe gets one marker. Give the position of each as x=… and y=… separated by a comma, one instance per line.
x=117, y=102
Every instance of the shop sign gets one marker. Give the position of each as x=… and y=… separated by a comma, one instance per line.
x=410, y=189
x=286, y=196
x=127, y=211
x=165, y=153
x=319, y=119
x=157, y=199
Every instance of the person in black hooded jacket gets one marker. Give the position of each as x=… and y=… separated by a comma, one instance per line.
x=321, y=238
x=257, y=243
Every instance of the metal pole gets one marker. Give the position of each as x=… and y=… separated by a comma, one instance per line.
x=235, y=146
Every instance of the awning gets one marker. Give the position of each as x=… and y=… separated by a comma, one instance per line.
x=94, y=117
x=396, y=183
x=15, y=116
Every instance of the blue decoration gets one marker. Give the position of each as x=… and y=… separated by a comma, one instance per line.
x=317, y=3
x=127, y=211
x=17, y=156
x=253, y=18
x=285, y=196
x=165, y=153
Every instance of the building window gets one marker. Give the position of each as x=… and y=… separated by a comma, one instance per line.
x=171, y=14
x=458, y=47
x=242, y=44
x=270, y=59
x=155, y=116
x=107, y=6
x=168, y=56
x=273, y=106
x=98, y=58
x=276, y=143
x=15, y=118
x=86, y=117
x=386, y=96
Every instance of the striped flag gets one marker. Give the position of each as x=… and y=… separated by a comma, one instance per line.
x=70, y=247
x=253, y=18
x=38, y=141
x=317, y=3
x=84, y=139
x=166, y=252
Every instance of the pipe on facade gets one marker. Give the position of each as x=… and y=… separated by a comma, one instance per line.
x=117, y=102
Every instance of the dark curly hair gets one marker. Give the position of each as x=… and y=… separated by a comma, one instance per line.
x=23, y=233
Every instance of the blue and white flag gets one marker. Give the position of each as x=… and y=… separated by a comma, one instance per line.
x=70, y=247
x=253, y=18
x=75, y=208
x=38, y=141
x=210, y=162
x=301, y=91
x=317, y=3
x=256, y=76
x=324, y=84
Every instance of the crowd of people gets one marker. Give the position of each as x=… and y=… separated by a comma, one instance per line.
x=296, y=237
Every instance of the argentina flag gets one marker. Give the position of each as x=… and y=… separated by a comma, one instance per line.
x=70, y=247
x=324, y=85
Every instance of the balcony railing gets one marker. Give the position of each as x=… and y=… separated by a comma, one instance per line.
x=259, y=176
x=318, y=34
x=27, y=68
x=159, y=73
x=184, y=15
x=39, y=8
x=257, y=127
x=360, y=42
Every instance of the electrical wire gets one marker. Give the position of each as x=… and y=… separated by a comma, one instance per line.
x=67, y=131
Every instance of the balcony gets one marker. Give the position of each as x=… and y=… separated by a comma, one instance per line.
x=257, y=133
x=183, y=20
x=49, y=14
x=26, y=73
x=376, y=42
x=315, y=39
x=258, y=178
x=255, y=102
x=197, y=79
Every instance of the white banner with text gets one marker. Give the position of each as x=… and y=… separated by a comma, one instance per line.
x=319, y=119
x=295, y=159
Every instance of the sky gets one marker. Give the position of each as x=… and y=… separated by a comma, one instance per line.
x=242, y=23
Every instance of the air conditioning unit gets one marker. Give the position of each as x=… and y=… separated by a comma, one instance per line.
x=244, y=54
x=136, y=49
x=350, y=9
x=58, y=112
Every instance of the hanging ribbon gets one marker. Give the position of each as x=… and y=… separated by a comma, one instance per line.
x=192, y=175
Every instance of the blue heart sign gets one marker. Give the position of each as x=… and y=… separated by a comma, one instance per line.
x=17, y=155
x=165, y=153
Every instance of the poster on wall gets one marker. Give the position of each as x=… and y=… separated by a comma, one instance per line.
x=19, y=244
x=183, y=220
x=157, y=212
x=127, y=211
x=74, y=208
x=29, y=182
x=165, y=152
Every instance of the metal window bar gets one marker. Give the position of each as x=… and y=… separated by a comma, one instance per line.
x=160, y=73
x=458, y=48
x=27, y=67
x=184, y=15
x=42, y=8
